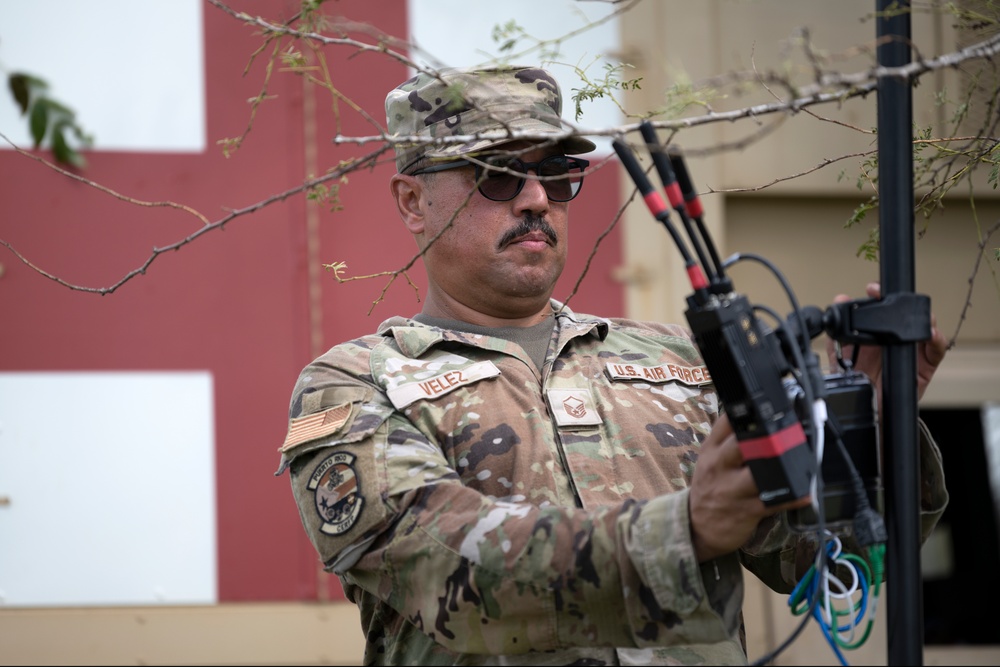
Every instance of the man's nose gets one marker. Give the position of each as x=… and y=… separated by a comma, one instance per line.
x=532, y=197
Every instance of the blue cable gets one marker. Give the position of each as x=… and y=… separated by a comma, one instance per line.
x=811, y=584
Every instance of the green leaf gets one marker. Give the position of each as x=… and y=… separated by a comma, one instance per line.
x=59, y=107
x=86, y=140
x=62, y=150
x=23, y=87
x=19, y=88
x=39, y=121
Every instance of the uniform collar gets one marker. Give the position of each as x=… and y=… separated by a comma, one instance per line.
x=414, y=338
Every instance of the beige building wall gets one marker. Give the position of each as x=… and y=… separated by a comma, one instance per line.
x=317, y=634
x=766, y=190
x=752, y=206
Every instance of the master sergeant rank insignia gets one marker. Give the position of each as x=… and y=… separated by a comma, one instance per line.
x=573, y=407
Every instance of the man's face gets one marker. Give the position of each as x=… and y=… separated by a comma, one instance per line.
x=497, y=258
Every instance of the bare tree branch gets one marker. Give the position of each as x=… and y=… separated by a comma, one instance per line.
x=952, y=162
x=208, y=227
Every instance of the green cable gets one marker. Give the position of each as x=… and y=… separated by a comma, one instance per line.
x=876, y=554
x=796, y=602
x=874, y=574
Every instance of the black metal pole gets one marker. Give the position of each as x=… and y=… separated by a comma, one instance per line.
x=899, y=372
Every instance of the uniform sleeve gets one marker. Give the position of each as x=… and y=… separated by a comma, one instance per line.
x=780, y=557
x=479, y=575
x=334, y=488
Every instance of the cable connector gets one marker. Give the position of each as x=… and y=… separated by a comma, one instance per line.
x=869, y=528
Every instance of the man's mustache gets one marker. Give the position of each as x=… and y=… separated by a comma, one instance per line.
x=528, y=224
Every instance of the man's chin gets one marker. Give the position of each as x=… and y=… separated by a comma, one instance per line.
x=530, y=287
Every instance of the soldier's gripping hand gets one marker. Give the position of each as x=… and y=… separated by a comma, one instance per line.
x=723, y=502
x=930, y=353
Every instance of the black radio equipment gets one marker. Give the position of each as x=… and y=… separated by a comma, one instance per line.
x=800, y=432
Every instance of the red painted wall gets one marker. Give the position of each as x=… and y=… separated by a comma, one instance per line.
x=236, y=302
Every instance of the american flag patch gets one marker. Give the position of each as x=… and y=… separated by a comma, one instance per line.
x=310, y=427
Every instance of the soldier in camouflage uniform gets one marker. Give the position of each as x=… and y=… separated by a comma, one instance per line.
x=500, y=480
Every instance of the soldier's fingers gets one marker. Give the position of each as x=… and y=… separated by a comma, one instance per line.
x=729, y=452
x=935, y=349
x=721, y=430
x=804, y=501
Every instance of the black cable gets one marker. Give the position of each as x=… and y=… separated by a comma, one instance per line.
x=803, y=331
x=810, y=389
x=869, y=528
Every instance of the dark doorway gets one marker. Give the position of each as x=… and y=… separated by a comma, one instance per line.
x=962, y=571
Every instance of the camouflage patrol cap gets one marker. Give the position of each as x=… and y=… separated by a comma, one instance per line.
x=486, y=103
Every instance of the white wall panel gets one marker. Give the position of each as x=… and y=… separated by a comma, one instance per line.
x=133, y=72
x=108, y=488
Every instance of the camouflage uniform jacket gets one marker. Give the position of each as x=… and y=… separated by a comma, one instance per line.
x=480, y=512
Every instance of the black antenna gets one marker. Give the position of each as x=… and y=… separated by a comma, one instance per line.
x=673, y=191
x=656, y=206
x=697, y=212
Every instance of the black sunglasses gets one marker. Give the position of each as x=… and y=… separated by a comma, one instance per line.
x=561, y=176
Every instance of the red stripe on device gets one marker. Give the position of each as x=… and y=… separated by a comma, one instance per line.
x=773, y=444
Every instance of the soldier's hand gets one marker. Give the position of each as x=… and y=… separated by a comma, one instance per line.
x=930, y=353
x=723, y=501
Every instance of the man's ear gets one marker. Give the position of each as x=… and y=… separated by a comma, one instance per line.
x=408, y=193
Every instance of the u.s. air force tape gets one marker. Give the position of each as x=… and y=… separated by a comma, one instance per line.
x=689, y=375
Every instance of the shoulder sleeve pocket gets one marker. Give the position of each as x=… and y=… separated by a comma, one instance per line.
x=337, y=486
x=329, y=412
